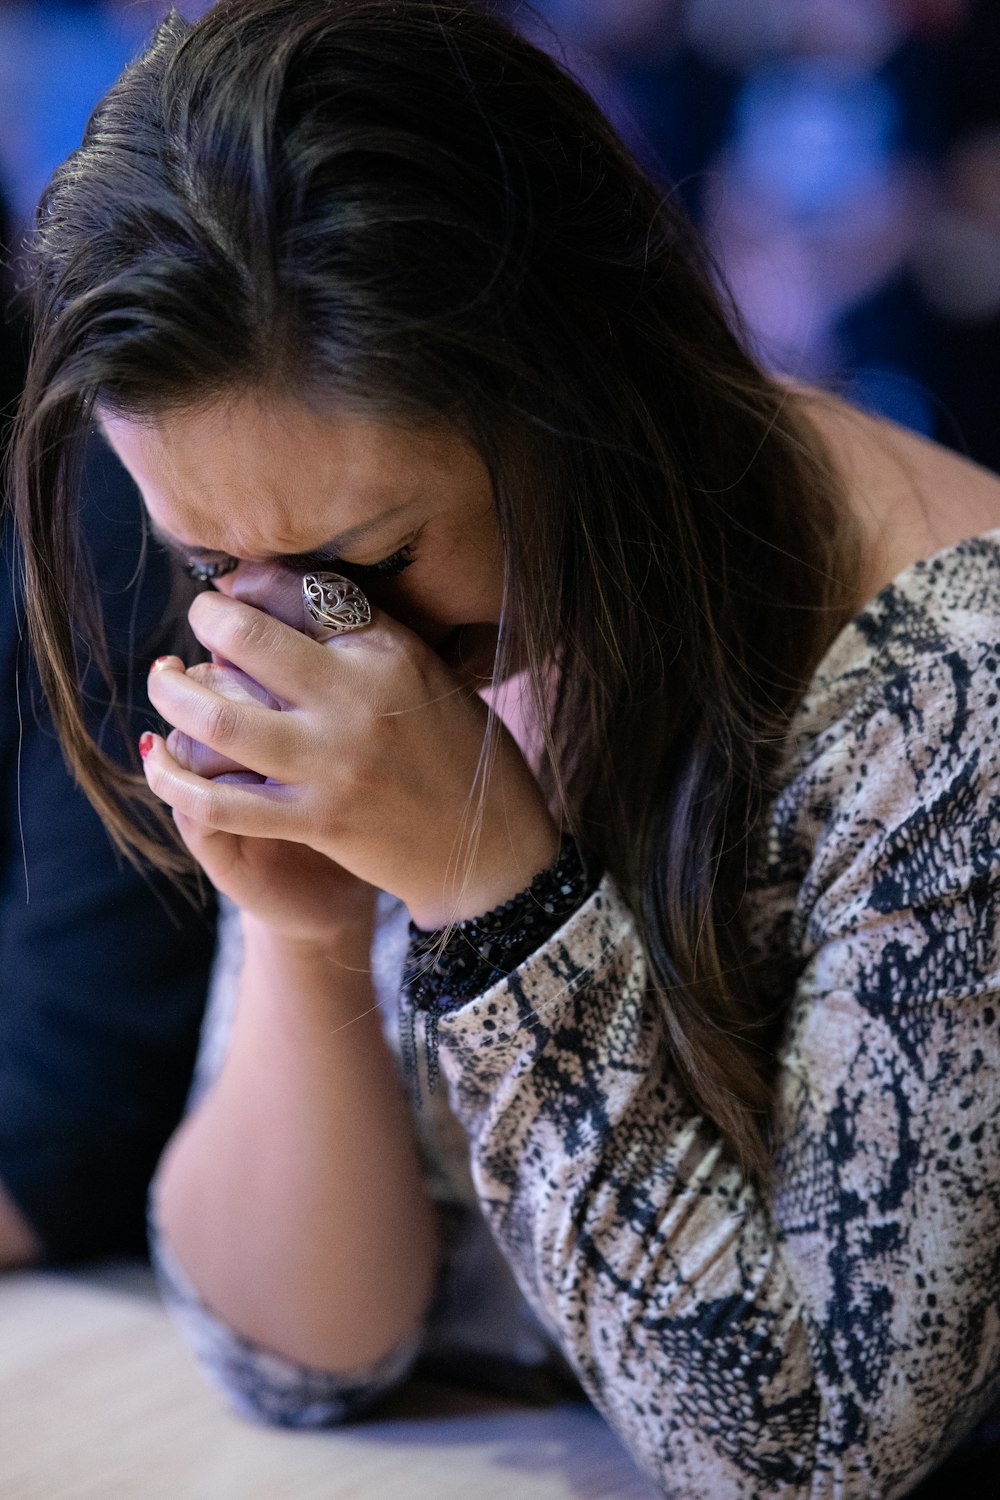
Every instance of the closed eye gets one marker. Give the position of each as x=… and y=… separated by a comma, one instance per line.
x=207, y=572
x=306, y=562
x=389, y=567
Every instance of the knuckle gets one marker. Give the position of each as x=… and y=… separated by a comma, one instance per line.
x=408, y=658
x=226, y=625
x=180, y=745
x=248, y=629
x=410, y=651
x=211, y=809
x=189, y=829
x=360, y=784
x=221, y=722
x=205, y=673
x=331, y=826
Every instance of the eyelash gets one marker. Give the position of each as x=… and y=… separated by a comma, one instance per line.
x=205, y=572
x=388, y=567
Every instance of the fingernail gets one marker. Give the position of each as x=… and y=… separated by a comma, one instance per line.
x=160, y=663
x=145, y=744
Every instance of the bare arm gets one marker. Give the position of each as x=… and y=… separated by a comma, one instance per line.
x=293, y=1196
x=19, y=1244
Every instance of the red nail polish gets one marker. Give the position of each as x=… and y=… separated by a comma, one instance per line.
x=160, y=661
x=145, y=744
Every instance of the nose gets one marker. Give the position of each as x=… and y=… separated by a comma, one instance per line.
x=268, y=587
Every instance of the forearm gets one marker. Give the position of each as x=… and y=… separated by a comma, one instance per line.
x=293, y=1197
x=626, y=1224
x=19, y=1244
x=726, y=1332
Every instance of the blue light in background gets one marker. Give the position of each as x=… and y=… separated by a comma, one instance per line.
x=812, y=136
x=56, y=60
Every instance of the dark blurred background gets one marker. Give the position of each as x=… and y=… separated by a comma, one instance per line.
x=842, y=156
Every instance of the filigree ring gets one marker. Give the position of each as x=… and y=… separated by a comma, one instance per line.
x=332, y=605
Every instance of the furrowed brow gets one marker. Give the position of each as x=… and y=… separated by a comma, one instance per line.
x=332, y=548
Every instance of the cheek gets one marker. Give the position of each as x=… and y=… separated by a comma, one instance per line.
x=456, y=596
x=470, y=584
x=425, y=617
x=460, y=585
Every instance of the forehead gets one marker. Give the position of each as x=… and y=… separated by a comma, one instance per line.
x=254, y=479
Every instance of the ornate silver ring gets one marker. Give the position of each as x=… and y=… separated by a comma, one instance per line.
x=332, y=605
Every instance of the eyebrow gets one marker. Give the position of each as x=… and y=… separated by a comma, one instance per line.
x=336, y=545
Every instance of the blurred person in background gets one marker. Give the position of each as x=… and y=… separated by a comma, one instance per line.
x=843, y=157
x=820, y=142
x=103, y=966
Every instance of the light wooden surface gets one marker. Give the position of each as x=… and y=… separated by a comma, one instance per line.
x=100, y=1401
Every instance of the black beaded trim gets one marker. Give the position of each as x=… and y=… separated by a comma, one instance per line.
x=442, y=973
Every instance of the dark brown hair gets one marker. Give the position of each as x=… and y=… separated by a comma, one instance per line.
x=404, y=207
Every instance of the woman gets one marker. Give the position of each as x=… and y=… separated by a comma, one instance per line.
x=369, y=292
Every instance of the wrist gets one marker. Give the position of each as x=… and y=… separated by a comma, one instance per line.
x=346, y=942
x=443, y=971
x=497, y=873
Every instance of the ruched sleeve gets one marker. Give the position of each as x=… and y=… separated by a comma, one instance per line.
x=838, y=1333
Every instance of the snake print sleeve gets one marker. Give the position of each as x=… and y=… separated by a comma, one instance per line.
x=835, y=1336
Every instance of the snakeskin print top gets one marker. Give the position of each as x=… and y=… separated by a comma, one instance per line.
x=837, y=1335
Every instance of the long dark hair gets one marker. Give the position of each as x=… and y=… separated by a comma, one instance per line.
x=403, y=207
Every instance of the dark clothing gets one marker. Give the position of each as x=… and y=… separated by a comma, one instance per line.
x=103, y=971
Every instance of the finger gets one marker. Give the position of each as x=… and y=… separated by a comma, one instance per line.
x=203, y=844
x=227, y=680
x=231, y=683
x=255, y=738
x=289, y=664
x=192, y=755
x=192, y=832
x=275, y=590
x=253, y=810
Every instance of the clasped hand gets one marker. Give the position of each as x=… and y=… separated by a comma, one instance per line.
x=367, y=754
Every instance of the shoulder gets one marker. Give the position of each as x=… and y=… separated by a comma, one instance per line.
x=939, y=615
x=910, y=498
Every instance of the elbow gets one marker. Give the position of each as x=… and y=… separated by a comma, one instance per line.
x=268, y=1389
x=20, y=1246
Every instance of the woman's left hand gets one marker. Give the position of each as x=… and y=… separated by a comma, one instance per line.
x=375, y=759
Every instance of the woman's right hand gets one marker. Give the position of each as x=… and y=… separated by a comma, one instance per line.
x=297, y=893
